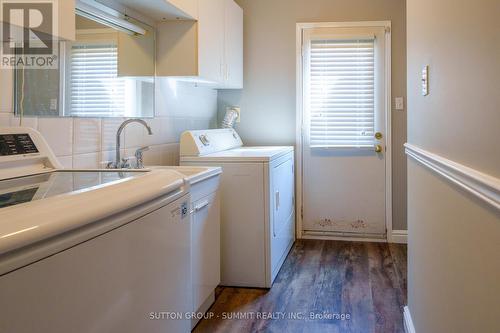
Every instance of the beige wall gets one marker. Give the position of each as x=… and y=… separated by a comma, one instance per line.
x=268, y=99
x=460, y=119
x=453, y=250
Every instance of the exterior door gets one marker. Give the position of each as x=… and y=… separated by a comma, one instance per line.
x=344, y=131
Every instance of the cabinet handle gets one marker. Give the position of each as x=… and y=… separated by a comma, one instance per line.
x=277, y=195
x=201, y=206
x=277, y=204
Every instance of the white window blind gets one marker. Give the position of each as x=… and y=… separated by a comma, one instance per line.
x=94, y=88
x=342, y=93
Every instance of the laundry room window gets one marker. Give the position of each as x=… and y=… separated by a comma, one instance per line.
x=93, y=86
x=340, y=91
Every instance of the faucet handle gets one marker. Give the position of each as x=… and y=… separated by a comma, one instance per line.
x=125, y=164
x=139, y=156
x=142, y=149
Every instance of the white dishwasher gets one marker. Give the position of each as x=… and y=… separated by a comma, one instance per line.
x=205, y=235
x=90, y=250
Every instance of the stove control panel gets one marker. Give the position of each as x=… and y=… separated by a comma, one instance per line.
x=17, y=144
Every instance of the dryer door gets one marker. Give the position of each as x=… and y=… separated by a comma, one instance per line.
x=283, y=208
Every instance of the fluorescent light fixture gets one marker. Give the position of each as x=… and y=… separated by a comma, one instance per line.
x=100, y=13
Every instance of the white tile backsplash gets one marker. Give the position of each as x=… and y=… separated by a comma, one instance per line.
x=25, y=122
x=87, y=161
x=167, y=130
x=66, y=161
x=5, y=119
x=89, y=142
x=108, y=133
x=109, y=156
x=59, y=134
x=87, y=135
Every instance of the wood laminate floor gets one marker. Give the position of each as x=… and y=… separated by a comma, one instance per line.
x=367, y=281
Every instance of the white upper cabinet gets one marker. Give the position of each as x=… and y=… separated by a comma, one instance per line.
x=132, y=47
x=188, y=7
x=233, y=46
x=163, y=9
x=211, y=40
x=207, y=50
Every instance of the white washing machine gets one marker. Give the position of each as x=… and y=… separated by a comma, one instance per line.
x=257, y=203
x=89, y=250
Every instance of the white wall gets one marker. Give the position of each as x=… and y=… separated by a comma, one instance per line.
x=454, y=247
x=268, y=98
x=90, y=142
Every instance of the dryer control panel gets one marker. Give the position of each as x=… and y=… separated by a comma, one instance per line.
x=204, y=142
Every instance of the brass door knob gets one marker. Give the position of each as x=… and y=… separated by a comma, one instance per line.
x=378, y=148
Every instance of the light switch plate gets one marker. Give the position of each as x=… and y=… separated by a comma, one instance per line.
x=53, y=104
x=399, y=103
x=425, y=80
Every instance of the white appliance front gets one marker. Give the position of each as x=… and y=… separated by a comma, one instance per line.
x=120, y=281
x=257, y=204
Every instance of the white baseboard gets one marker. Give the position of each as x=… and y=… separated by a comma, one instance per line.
x=399, y=236
x=408, y=323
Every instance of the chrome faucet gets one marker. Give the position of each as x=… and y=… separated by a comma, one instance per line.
x=118, y=162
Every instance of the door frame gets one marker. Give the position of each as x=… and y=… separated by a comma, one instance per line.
x=300, y=27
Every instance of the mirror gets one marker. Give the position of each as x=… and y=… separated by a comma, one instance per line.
x=108, y=71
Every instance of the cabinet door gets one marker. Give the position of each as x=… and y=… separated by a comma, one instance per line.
x=205, y=263
x=211, y=40
x=131, y=48
x=233, y=68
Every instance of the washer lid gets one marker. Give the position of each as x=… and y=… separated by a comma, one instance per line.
x=243, y=154
x=32, y=221
x=16, y=191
